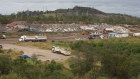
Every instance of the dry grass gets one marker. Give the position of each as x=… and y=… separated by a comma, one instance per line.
x=44, y=45
x=40, y=45
x=12, y=53
x=127, y=39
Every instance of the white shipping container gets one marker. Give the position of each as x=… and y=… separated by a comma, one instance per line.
x=136, y=34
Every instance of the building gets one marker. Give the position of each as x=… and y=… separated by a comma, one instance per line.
x=117, y=35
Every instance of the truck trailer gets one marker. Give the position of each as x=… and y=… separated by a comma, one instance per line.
x=56, y=49
x=25, y=38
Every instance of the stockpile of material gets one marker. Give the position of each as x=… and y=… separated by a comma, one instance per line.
x=78, y=27
x=60, y=27
x=119, y=29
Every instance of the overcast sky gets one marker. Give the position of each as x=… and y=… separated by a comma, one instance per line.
x=131, y=7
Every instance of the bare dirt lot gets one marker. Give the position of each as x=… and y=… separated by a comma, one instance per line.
x=41, y=54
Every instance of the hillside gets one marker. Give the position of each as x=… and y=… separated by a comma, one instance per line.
x=79, y=11
x=74, y=15
x=91, y=15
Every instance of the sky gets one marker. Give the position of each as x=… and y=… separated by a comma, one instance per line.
x=130, y=7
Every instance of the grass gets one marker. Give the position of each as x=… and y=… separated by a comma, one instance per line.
x=127, y=39
x=45, y=45
x=12, y=53
x=19, y=34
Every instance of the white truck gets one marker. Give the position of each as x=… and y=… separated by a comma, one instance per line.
x=56, y=49
x=2, y=36
x=25, y=38
x=136, y=34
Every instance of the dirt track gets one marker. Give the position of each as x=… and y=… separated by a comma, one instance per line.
x=41, y=54
x=8, y=41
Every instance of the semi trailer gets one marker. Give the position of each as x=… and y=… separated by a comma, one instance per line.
x=25, y=38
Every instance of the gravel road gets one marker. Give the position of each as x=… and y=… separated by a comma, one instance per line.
x=41, y=54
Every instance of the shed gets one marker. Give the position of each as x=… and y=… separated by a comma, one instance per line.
x=112, y=35
x=120, y=35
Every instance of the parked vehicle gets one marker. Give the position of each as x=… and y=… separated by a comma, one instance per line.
x=56, y=49
x=25, y=56
x=85, y=32
x=2, y=36
x=94, y=37
x=136, y=34
x=33, y=38
x=1, y=46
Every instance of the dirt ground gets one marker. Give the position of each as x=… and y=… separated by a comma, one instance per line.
x=41, y=54
x=30, y=51
x=51, y=37
x=8, y=41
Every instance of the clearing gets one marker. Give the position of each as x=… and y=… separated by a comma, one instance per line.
x=41, y=54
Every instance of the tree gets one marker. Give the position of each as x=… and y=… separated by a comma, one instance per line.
x=117, y=65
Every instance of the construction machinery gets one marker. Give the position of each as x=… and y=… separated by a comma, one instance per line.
x=56, y=49
x=85, y=32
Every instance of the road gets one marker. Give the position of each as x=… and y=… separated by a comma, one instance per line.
x=42, y=55
x=8, y=41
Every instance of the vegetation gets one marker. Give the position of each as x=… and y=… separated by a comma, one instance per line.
x=98, y=59
x=75, y=15
x=46, y=45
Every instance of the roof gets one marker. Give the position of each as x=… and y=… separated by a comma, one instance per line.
x=11, y=24
x=112, y=33
x=109, y=29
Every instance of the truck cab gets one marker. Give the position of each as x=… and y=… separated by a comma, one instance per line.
x=2, y=36
x=21, y=39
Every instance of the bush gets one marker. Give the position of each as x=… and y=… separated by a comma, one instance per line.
x=1, y=51
x=12, y=76
x=5, y=65
x=118, y=58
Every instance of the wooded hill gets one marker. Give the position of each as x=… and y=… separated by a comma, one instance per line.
x=75, y=15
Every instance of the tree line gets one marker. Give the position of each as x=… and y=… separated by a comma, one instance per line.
x=75, y=15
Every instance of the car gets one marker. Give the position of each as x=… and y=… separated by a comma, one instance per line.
x=25, y=56
x=94, y=37
x=1, y=46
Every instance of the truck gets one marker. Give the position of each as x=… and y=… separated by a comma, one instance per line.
x=35, y=38
x=2, y=36
x=56, y=49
